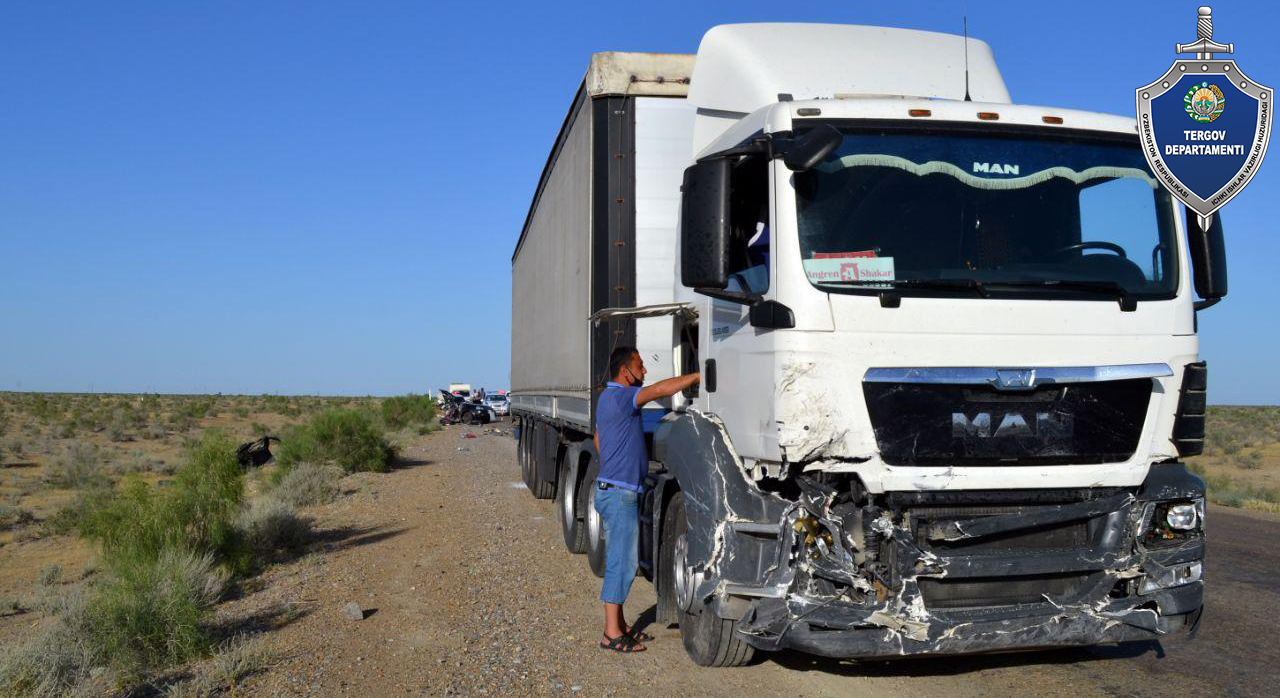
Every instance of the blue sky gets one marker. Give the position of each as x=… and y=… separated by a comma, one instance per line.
x=252, y=197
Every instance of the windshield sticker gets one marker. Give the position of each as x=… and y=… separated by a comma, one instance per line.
x=837, y=269
x=984, y=179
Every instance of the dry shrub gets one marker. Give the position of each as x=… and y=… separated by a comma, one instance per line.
x=79, y=466
x=56, y=662
x=14, y=516
x=269, y=524
x=307, y=484
x=235, y=659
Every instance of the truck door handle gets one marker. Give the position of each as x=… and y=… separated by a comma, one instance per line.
x=709, y=375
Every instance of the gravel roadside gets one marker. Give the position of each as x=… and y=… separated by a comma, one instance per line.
x=465, y=589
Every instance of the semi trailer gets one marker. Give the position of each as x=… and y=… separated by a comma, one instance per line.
x=948, y=347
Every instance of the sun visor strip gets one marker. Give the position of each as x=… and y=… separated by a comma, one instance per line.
x=1016, y=378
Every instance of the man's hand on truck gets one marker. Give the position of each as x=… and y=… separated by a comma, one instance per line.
x=667, y=388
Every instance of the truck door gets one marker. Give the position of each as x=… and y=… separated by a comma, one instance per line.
x=742, y=355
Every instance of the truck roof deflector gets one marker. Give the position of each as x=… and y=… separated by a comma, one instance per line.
x=685, y=310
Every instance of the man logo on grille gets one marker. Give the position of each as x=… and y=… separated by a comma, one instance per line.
x=1015, y=378
x=1044, y=425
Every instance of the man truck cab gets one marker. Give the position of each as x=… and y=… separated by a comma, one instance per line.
x=949, y=358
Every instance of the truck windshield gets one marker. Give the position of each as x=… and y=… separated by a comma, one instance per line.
x=986, y=214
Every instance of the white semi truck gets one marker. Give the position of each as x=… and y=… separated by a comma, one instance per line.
x=948, y=347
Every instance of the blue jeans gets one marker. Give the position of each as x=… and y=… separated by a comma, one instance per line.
x=619, y=511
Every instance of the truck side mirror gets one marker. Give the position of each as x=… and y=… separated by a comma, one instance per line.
x=772, y=315
x=704, y=225
x=1208, y=259
x=811, y=148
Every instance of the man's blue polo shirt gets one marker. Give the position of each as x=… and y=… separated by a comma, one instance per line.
x=624, y=462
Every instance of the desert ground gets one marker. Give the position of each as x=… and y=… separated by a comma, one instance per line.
x=443, y=576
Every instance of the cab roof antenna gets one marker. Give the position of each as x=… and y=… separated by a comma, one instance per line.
x=966, y=59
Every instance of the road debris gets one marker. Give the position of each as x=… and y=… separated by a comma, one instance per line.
x=352, y=611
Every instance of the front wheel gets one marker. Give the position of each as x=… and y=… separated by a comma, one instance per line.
x=709, y=640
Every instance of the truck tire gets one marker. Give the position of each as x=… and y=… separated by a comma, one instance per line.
x=591, y=519
x=527, y=430
x=668, y=610
x=571, y=524
x=545, y=489
x=708, y=639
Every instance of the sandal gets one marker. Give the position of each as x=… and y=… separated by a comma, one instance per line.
x=638, y=635
x=623, y=643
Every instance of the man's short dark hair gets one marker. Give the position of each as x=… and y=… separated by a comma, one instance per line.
x=619, y=358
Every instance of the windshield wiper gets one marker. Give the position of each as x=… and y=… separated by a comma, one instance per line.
x=928, y=284
x=1117, y=291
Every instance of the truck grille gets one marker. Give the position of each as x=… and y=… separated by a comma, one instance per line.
x=1001, y=591
x=1070, y=535
x=931, y=424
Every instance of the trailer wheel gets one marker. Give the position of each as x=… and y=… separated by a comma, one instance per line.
x=591, y=519
x=575, y=532
x=708, y=639
x=545, y=489
x=527, y=431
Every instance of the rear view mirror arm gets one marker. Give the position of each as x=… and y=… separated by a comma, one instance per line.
x=731, y=296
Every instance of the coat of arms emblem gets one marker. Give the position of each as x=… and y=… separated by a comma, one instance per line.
x=1204, y=125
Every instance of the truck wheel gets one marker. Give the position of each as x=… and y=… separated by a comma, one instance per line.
x=668, y=610
x=708, y=639
x=527, y=431
x=591, y=519
x=575, y=534
x=544, y=489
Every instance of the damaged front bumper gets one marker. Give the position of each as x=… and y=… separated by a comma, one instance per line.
x=836, y=572
x=955, y=573
x=835, y=628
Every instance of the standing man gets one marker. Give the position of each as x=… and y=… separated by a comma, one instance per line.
x=624, y=463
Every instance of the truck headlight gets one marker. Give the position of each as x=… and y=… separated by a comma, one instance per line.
x=1171, y=523
x=1182, y=517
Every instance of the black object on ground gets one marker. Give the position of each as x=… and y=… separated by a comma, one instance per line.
x=255, y=453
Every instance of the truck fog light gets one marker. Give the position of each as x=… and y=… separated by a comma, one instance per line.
x=1181, y=517
x=1173, y=576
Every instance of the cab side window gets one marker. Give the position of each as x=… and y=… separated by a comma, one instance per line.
x=749, y=240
